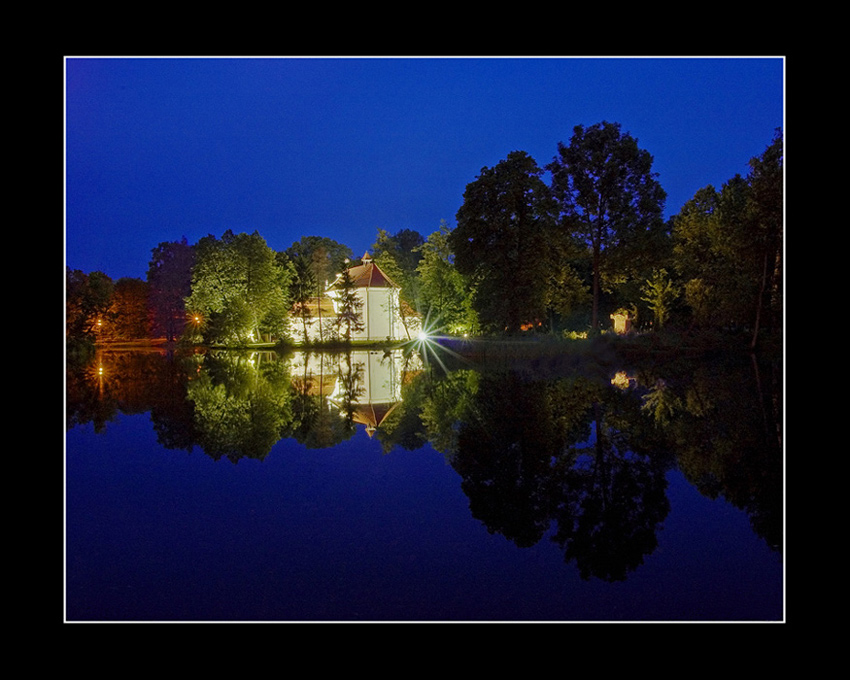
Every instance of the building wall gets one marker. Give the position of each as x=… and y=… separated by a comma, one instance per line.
x=380, y=313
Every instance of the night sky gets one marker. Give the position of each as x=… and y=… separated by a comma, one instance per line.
x=157, y=149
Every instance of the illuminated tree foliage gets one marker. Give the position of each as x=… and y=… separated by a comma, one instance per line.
x=321, y=260
x=398, y=257
x=239, y=289
x=443, y=295
x=401, y=252
x=766, y=210
x=302, y=291
x=660, y=293
x=349, y=316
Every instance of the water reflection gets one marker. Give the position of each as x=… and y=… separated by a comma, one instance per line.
x=578, y=456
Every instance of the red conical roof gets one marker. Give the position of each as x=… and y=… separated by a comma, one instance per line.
x=369, y=275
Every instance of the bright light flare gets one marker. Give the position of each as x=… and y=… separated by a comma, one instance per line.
x=430, y=347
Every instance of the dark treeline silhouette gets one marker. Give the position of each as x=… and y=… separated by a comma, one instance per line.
x=565, y=256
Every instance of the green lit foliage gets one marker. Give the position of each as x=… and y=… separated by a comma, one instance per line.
x=566, y=290
x=728, y=247
x=327, y=258
x=398, y=256
x=349, y=318
x=242, y=407
x=324, y=259
x=660, y=293
x=766, y=210
x=443, y=295
x=302, y=291
x=403, y=250
x=239, y=288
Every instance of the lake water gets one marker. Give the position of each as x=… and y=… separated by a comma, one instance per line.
x=384, y=486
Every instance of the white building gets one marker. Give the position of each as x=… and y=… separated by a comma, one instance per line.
x=381, y=311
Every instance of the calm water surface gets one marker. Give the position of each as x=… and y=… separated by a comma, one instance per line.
x=377, y=487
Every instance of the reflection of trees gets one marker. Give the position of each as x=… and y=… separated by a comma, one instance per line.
x=503, y=454
x=316, y=423
x=350, y=389
x=725, y=432
x=609, y=501
x=519, y=449
x=111, y=383
x=242, y=409
x=90, y=395
x=574, y=453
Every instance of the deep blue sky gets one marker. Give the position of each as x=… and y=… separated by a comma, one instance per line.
x=157, y=149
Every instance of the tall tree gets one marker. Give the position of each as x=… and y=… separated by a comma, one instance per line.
x=728, y=248
x=170, y=283
x=87, y=301
x=766, y=179
x=398, y=257
x=327, y=258
x=402, y=253
x=239, y=288
x=403, y=250
x=443, y=296
x=660, y=294
x=129, y=315
x=713, y=255
x=500, y=242
x=608, y=195
x=349, y=316
x=302, y=290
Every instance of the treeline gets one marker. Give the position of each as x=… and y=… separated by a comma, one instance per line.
x=526, y=255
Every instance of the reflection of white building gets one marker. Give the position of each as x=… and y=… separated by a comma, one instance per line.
x=376, y=386
x=380, y=310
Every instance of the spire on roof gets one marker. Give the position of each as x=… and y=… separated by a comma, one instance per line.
x=366, y=257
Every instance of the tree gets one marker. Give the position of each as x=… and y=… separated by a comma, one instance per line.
x=128, y=317
x=766, y=211
x=660, y=293
x=170, y=283
x=402, y=251
x=327, y=258
x=728, y=248
x=443, y=296
x=608, y=195
x=712, y=255
x=87, y=301
x=500, y=242
x=302, y=291
x=398, y=257
x=239, y=288
x=349, y=318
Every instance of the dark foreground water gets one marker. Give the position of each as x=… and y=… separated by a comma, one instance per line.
x=371, y=487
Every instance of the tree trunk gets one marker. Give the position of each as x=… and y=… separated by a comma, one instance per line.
x=595, y=316
x=759, y=304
